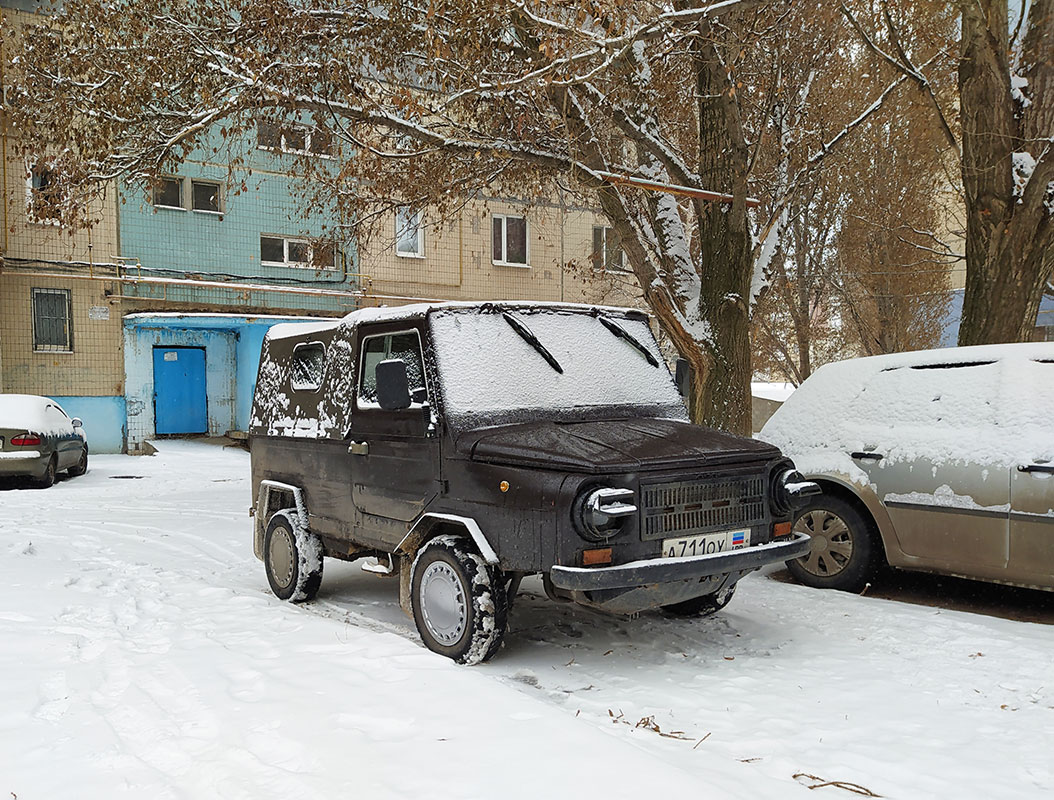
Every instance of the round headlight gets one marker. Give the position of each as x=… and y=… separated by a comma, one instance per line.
x=597, y=513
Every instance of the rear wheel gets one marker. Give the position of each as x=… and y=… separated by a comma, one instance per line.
x=80, y=467
x=459, y=601
x=702, y=606
x=292, y=558
x=48, y=478
x=843, y=546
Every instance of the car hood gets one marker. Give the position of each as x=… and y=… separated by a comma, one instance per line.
x=618, y=445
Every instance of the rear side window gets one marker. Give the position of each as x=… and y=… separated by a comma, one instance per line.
x=309, y=364
x=375, y=349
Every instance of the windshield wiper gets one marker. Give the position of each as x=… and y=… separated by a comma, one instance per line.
x=621, y=332
x=532, y=340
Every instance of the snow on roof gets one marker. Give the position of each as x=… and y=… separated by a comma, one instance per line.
x=30, y=412
x=986, y=405
x=418, y=310
x=778, y=392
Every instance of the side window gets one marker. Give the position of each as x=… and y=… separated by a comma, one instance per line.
x=309, y=364
x=375, y=349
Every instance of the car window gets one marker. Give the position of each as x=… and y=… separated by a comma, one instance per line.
x=406, y=346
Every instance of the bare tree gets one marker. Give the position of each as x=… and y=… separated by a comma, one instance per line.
x=431, y=103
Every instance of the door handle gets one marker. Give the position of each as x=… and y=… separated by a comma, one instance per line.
x=359, y=448
x=1047, y=468
x=866, y=456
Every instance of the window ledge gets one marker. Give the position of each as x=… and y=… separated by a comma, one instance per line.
x=53, y=352
x=510, y=264
x=207, y=211
x=410, y=255
x=173, y=208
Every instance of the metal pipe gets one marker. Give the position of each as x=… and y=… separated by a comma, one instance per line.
x=672, y=188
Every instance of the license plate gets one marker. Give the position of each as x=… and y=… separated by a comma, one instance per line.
x=706, y=544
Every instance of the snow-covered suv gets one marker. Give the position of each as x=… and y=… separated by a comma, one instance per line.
x=462, y=447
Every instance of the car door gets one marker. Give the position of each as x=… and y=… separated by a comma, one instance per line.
x=948, y=505
x=1032, y=477
x=393, y=454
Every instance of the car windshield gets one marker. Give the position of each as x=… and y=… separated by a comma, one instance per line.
x=491, y=366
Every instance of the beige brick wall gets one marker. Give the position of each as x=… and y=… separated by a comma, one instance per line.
x=94, y=367
x=458, y=264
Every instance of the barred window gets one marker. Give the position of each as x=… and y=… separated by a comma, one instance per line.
x=52, y=320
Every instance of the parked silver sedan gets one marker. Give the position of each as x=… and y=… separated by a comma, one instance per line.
x=38, y=440
x=938, y=461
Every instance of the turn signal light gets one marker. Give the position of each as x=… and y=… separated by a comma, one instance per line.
x=781, y=529
x=601, y=555
x=25, y=440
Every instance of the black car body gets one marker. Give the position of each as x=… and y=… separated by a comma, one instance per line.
x=466, y=446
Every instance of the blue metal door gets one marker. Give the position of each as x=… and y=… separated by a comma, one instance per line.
x=179, y=390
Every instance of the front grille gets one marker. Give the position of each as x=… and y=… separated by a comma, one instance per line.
x=687, y=508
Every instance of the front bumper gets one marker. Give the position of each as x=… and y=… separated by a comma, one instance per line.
x=669, y=570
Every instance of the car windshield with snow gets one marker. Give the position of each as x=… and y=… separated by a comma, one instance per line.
x=461, y=447
x=937, y=461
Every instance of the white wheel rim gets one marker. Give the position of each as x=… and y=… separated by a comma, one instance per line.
x=831, y=542
x=280, y=555
x=444, y=604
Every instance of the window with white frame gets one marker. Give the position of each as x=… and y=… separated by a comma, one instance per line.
x=409, y=234
x=43, y=194
x=168, y=193
x=283, y=251
x=291, y=137
x=608, y=255
x=206, y=196
x=52, y=320
x=509, y=240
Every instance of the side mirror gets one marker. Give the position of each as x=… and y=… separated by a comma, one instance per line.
x=393, y=389
x=76, y=422
x=419, y=395
x=683, y=377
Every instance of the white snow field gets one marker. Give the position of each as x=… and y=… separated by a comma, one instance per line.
x=142, y=655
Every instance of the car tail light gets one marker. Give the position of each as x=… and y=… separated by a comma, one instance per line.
x=25, y=440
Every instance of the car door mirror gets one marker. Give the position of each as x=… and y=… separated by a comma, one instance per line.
x=683, y=377
x=393, y=389
x=76, y=422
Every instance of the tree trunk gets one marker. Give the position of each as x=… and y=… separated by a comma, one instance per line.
x=725, y=252
x=1009, y=235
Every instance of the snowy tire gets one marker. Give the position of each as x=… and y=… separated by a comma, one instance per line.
x=292, y=558
x=459, y=601
x=844, y=547
x=702, y=606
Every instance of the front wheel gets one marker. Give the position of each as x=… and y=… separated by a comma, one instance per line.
x=459, y=601
x=292, y=558
x=844, y=548
x=702, y=606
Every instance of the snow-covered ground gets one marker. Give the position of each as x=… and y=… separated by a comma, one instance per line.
x=142, y=655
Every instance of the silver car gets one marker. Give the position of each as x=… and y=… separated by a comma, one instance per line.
x=939, y=461
x=38, y=440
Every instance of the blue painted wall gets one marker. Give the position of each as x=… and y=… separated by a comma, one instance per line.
x=232, y=359
x=171, y=242
x=104, y=420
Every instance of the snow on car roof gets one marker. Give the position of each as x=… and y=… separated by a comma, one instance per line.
x=987, y=404
x=417, y=310
x=28, y=412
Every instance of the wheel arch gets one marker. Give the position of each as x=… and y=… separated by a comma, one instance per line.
x=432, y=524
x=273, y=496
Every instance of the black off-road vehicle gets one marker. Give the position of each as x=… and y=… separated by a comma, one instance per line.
x=463, y=447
